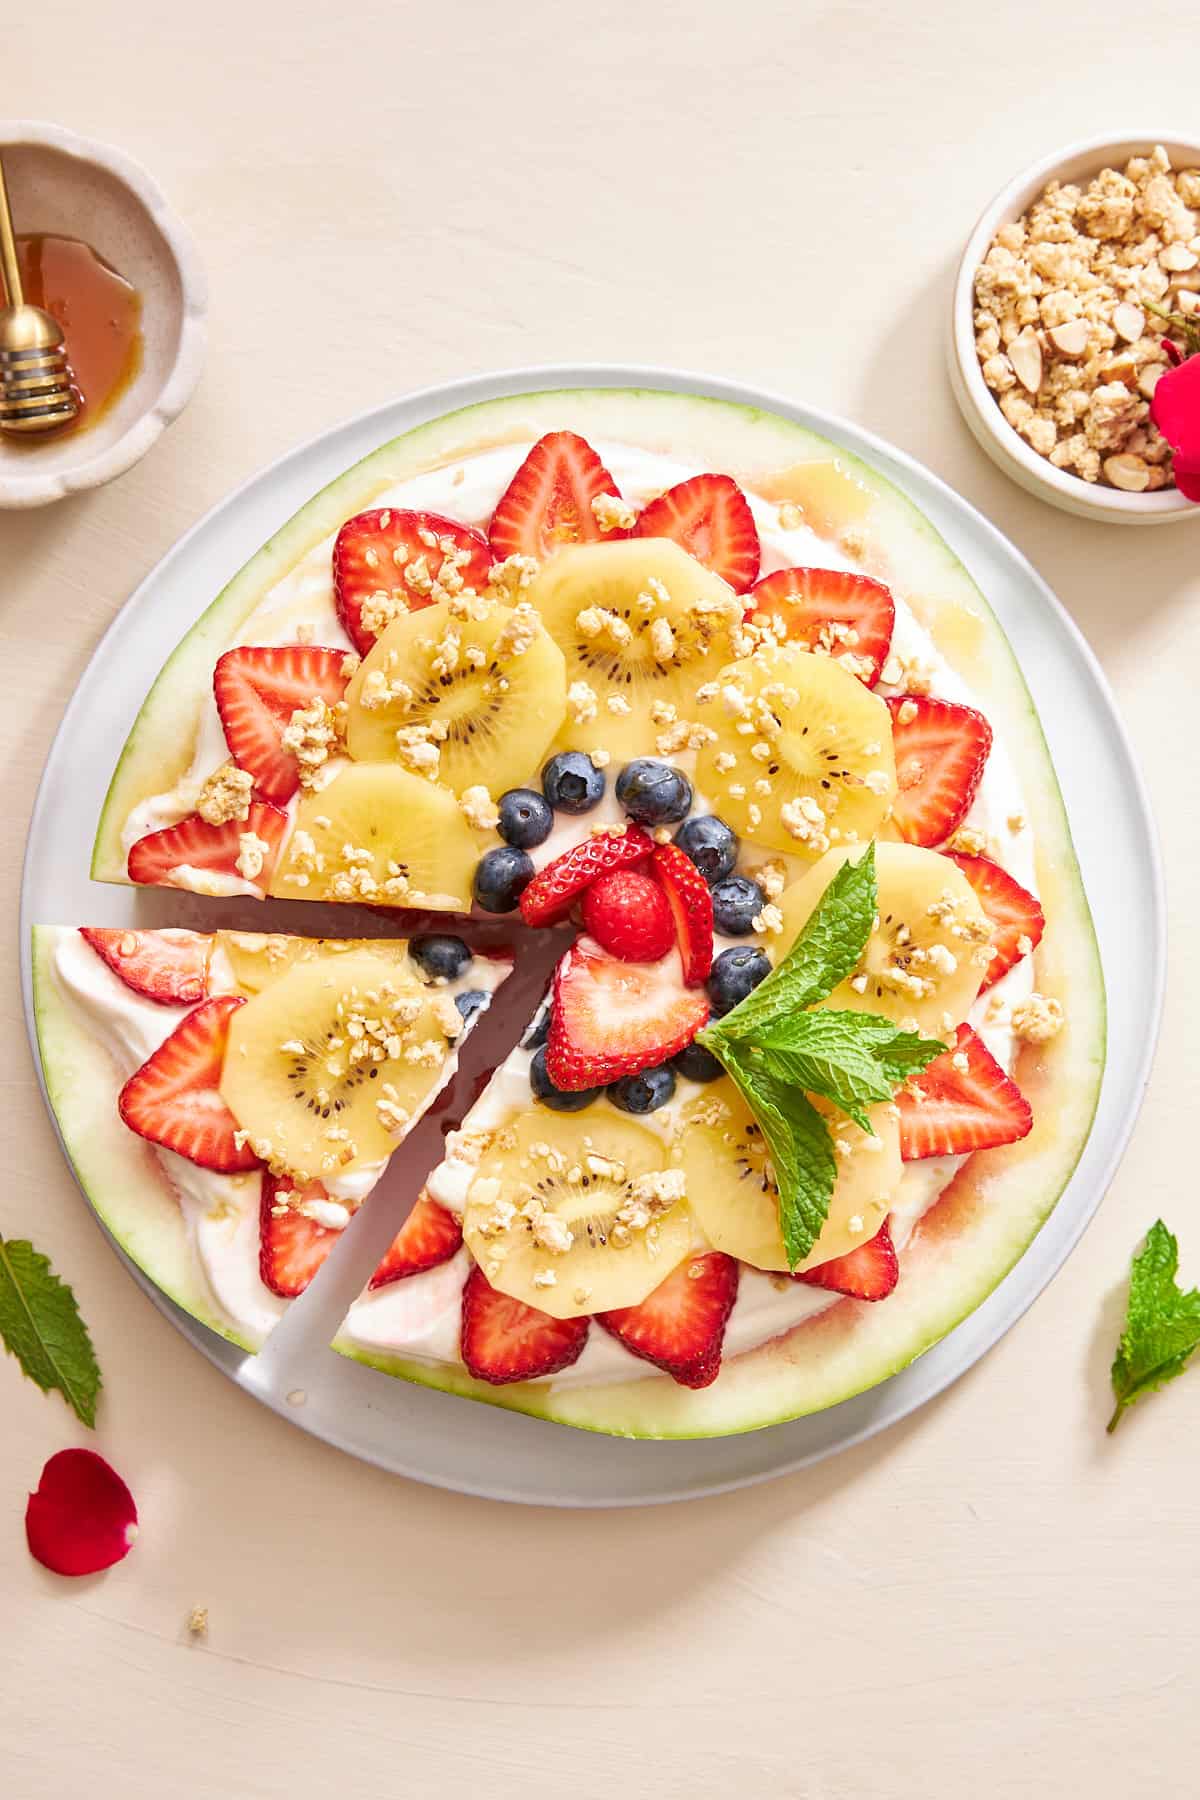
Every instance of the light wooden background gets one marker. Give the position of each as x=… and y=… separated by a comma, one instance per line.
x=992, y=1600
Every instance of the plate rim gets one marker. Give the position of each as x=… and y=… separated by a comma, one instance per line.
x=429, y=402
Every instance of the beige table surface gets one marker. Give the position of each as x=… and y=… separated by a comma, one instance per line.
x=992, y=1599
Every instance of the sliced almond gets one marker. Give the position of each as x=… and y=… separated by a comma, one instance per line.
x=1070, y=339
x=1025, y=355
x=1127, y=472
x=1177, y=258
x=1149, y=378
x=1129, y=321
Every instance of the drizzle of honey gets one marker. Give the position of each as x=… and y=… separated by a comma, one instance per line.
x=101, y=317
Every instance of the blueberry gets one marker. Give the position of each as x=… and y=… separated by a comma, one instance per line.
x=711, y=844
x=501, y=876
x=653, y=793
x=471, y=1003
x=572, y=783
x=538, y=1032
x=525, y=818
x=735, y=974
x=545, y=1090
x=444, y=957
x=696, y=1063
x=737, y=902
x=643, y=1093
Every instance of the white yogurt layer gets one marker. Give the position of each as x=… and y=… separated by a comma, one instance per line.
x=221, y=1212
x=419, y=1317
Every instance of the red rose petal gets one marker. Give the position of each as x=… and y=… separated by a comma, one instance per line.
x=1175, y=409
x=82, y=1517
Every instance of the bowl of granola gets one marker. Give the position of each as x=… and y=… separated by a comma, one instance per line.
x=1070, y=284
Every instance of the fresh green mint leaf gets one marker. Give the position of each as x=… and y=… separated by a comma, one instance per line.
x=1162, y=1325
x=800, y=1146
x=825, y=953
x=856, y=1060
x=40, y=1325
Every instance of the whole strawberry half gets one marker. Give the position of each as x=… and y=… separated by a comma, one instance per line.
x=1017, y=917
x=398, y=554
x=710, y=516
x=174, y=1098
x=503, y=1340
x=831, y=610
x=940, y=749
x=613, y=1018
x=168, y=966
x=257, y=689
x=548, y=502
x=869, y=1272
x=629, y=915
x=962, y=1101
x=680, y=1327
x=549, y=897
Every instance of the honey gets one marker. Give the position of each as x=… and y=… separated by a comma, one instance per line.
x=100, y=314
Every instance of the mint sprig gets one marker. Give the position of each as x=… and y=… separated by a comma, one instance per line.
x=1162, y=1324
x=40, y=1325
x=778, y=1052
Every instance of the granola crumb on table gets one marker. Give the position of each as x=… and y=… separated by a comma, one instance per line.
x=1068, y=321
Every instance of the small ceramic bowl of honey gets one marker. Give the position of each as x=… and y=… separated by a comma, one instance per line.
x=100, y=249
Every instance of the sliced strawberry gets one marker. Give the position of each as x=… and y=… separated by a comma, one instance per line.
x=829, y=609
x=554, y=890
x=628, y=915
x=548, y=502
x=291, y=1246
x=941, y=748
x=1017, y=919
x=680, y=1327
x=174, y=1099
x=869, y=1272
x=430, y=1235
x=257, y=689
x=960, y=1102
x=504, y=1340
x=155, y=860
x=709, y=515
x=168, y=966
x=690, y=900
x=398, y=555
x=613, y=1018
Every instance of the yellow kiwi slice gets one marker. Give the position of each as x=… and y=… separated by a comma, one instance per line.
x=468, y=702
x=731, y=1185
x=576, y=1215
x=803, y=753
x=257, y=959
x=925, y=959
x=326, y=1067
x=642, y=626
x=379, y=834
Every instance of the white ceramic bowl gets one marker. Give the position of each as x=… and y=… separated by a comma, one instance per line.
x=1003, y=444
x=70, y=185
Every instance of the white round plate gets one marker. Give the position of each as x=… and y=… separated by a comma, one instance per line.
x=475, y=1449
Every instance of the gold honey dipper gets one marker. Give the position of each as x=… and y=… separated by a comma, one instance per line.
x=36, y=392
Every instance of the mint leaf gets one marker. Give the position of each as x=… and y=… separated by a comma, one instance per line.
x=40, y=1325
x=857, y=1060
x=800, y=1146
x=1162, y=1325
x=825, y=953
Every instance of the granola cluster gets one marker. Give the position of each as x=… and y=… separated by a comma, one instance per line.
x=1071, y=305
